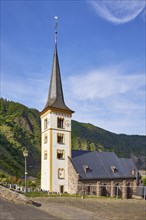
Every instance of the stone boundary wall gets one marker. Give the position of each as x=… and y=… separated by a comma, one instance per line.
x=13, y=196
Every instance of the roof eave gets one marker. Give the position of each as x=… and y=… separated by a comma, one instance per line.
x=69, y=111
x=105, y=178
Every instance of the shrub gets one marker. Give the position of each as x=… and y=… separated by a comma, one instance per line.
x=144, y=180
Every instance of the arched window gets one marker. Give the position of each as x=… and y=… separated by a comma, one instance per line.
x=61, y=173
x=60, y=122
x=60, y=154
x=60, y=138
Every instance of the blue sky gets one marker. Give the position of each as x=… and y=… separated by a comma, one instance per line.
x=101, y=48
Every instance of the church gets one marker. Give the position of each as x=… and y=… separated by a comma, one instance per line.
x=64, y=170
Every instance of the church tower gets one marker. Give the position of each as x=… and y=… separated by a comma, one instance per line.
x=55, y=134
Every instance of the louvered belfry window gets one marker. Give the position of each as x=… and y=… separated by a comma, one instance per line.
x=60, y=122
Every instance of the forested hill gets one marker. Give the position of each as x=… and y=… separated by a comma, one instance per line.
x=87, y=136
x=20, y=128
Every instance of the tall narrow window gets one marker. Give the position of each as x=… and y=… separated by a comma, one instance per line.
x=60, y=122
x=45, y=155
x=45, y=139
x=60, y=138
x=60, y=154
x=61, y=173
x=45, y=124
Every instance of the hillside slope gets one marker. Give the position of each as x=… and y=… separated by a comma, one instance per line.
x=89, y=137
x=20, y=128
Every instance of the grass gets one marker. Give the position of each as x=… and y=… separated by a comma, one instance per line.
x=36, y=194
x=45, y=194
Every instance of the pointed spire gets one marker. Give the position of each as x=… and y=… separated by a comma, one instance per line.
x=55, y=96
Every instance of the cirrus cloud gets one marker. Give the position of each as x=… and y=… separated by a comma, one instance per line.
x=119, y=11
x=105, y=83
x=112, y=97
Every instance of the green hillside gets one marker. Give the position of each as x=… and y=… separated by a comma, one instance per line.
x=89, y=137
x=20, y=128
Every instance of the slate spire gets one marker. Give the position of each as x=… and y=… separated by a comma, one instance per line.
x=55, y=96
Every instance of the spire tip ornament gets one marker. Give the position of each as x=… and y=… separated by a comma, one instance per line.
x=56, y=26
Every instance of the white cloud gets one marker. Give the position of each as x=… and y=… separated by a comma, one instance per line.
x=103, y=83
x=119, y=11
x=111, y=98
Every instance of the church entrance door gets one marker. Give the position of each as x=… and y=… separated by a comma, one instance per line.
x=61, y=189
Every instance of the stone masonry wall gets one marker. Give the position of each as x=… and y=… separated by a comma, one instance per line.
x=119, y=187
x=72, y=178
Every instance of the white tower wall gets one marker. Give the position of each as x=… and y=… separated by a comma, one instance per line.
x=50, y=164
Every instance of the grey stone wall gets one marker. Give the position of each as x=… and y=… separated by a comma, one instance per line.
x=72, y=178
x=119, y=187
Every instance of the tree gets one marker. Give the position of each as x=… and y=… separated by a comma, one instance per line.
x=13, y=179
x=19, y=181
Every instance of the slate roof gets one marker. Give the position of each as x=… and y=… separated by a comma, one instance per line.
x=100, y=165
x=55, y=96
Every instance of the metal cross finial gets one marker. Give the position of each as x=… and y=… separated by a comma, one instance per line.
x=56, y=26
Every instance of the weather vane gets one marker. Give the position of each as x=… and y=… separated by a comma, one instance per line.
x=56, y=26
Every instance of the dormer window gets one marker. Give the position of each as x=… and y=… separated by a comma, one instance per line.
x=114, y=169
x=60, y=122
x=87, y=169
x=133, y=172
